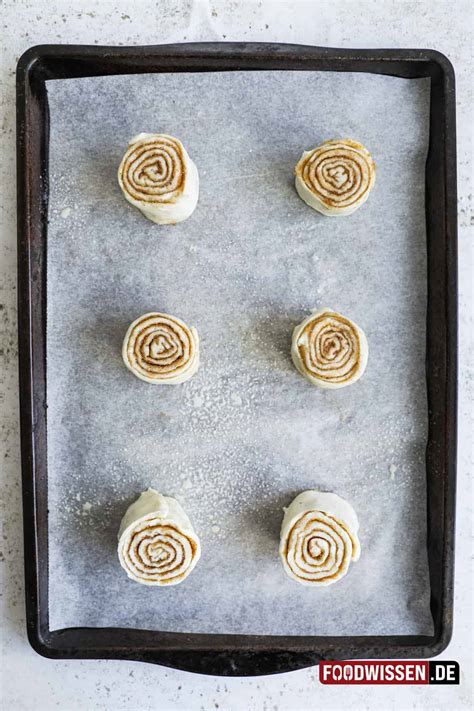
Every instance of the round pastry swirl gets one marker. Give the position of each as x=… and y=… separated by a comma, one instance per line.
x=158, y=552
x=335, y=178
x=154, y=170
x=157, y=176
x=317, y=546
x=329, y=350
x=157, y=544
x=160, y=348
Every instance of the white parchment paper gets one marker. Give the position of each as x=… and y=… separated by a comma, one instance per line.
x=247, y=433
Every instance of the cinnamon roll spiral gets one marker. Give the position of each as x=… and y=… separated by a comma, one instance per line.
x=157, y=543
x=319, y=538
x=335, y=178
x=329, y=350
x=158, y=176
x=161, y=349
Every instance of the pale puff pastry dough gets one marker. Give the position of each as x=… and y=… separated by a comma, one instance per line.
x=157, y=543
x=318, y=538
x=158, y=177
x=161, y=349
x=336, y=177
x=329, y=350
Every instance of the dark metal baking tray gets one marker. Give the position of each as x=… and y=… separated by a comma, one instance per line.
x=234, y=655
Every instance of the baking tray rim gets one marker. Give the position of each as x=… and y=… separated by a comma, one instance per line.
x=233, y=655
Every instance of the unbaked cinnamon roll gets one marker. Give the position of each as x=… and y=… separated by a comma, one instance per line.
x=157, y=543
x=161, y=349
x=318, y=538
x=158, y=176
x=335, y=178
x=329, y=350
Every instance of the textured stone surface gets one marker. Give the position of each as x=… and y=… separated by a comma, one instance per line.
x=30, y=682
